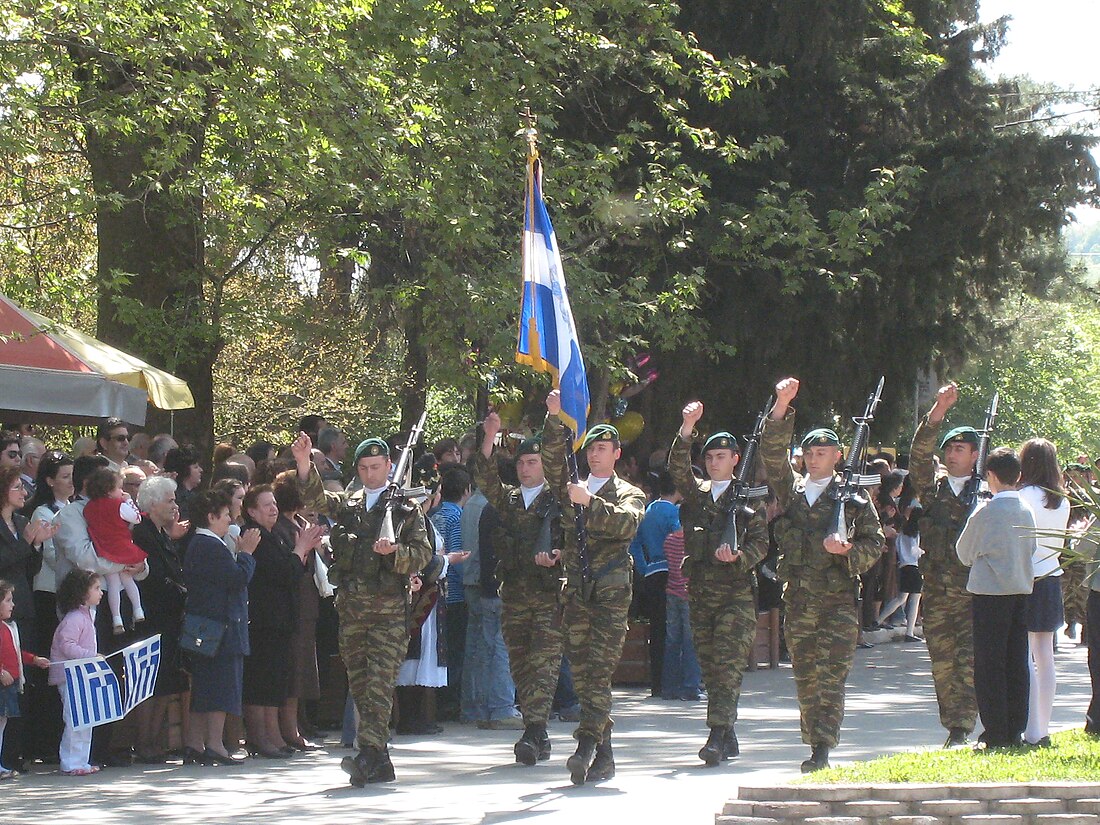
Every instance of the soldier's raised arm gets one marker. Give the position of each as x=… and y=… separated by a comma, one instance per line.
x=314, y=495
x=921, y=467
x=775, y=443
x=486, y=476
x=553, y=449
x=679, y=456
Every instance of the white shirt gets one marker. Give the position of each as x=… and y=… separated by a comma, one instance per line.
x=595, y=483
x=1045, y=558
x=719, y=487
x=957, y=483
x=814, y=489
x=372, y=496
x=530, y=494
x=202, y=531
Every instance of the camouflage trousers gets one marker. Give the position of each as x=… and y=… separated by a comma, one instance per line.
x=723, y=627
x=949, y=632
x=822, y=631
x=373, y=640
x=594, y=634
x=1074, y=592
x=534, y=648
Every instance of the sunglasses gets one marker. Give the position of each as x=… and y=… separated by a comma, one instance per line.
x=13, y=454
x=119, y=438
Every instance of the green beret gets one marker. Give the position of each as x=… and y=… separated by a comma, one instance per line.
x=530, y=446
x=965, y=435
x=370, y=448
x=820, y=438
x=1077, y=467
x=721, y=441
x=601, y=432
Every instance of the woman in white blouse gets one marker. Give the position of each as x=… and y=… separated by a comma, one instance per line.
x=1041, y=488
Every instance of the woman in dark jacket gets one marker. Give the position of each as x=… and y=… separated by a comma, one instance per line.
x=217, y=588
x=272, y=617
x=162, y=595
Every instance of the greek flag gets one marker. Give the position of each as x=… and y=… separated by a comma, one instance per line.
x=93, y=692
x=548, y=339
x=142, y=661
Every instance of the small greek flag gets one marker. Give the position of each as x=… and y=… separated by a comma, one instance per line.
x=142, y=661
x=93, y=691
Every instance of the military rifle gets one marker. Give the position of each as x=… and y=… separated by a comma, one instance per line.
x=976, y=489
x=852, y=481
x=743, y=491
x=397, y=491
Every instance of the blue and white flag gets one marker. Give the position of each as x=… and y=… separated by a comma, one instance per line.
x=142, y=661
x=93, y=692
x=548, y=339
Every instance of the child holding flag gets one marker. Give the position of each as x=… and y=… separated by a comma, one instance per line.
x=74, y=638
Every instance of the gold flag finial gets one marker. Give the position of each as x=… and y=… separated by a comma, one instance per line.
x=529, y=131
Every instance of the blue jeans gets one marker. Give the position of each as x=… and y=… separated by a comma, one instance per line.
x=492, y=694
x=681, y=675
x=565, y=697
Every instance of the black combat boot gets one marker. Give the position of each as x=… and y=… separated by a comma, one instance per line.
x=712, y=752
x=544, y=743
x=383, y=771
x=956, y=738
x=580, y=761
x=603, y=765
x=819, y=759
x=527, y=748
x=732, y=749
x=358, y=767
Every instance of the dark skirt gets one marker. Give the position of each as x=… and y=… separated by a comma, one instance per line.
x=305, y=682
x=909, y=579
x=266, y=669
x=1045, y=613
x=171, y=678
x=216, y=683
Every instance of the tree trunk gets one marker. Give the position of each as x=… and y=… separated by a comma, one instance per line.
x=414, y=394
x=150, y=268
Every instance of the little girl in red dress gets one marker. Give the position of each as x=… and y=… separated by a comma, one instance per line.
x=110, y=514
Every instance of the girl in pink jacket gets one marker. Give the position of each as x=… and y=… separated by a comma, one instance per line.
x=79, y=592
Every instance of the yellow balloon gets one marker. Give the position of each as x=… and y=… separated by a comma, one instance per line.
x=630, y=425
x=511, y=414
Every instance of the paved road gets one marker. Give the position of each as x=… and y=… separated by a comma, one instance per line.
x=468, y=775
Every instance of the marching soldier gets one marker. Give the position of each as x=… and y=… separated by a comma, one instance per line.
x=595, y=604
x=822, y=570
x=528, y=571
x=373, y=576
x=723, y=612
x=945, y=602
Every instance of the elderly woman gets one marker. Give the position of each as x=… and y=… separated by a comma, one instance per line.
x=163, y=595
x=273, y=615
x=301, y=655
x=217, y=588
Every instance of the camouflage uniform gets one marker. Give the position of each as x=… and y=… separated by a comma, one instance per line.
x=945, y=601
x=371, y=598
x=821, y=625
x=595, y=628
x=723, y=611
x=528, y=592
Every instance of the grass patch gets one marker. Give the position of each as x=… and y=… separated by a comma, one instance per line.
x=1073, y=757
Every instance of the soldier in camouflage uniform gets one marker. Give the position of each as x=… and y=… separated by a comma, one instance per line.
x=528, y=550
x=723, y=611
x=596, y=606
x=945, y=601
x=1075, y=589
x=821, y=569
x=372, y=577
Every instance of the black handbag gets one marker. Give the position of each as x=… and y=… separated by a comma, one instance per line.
x=201, y=635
